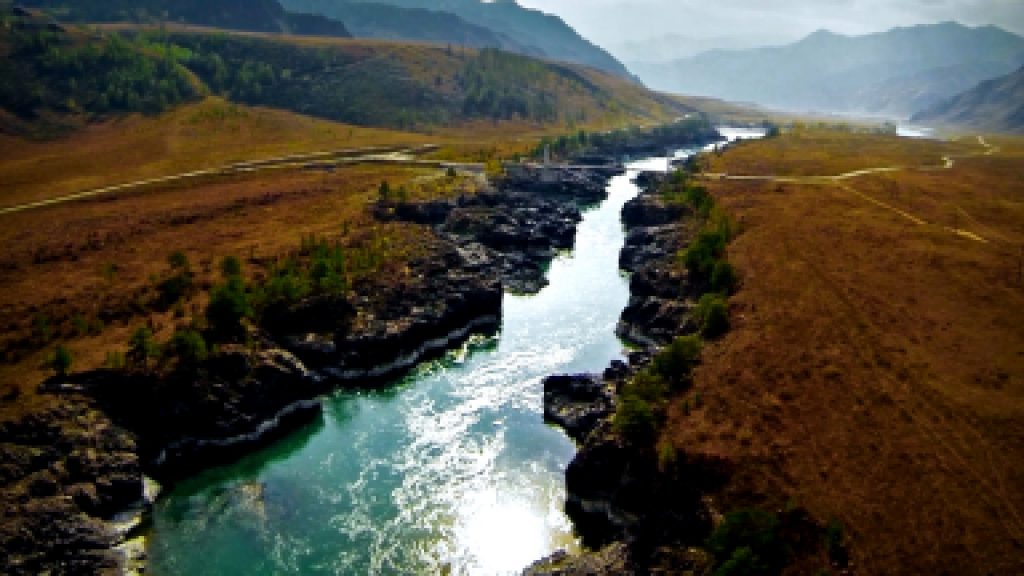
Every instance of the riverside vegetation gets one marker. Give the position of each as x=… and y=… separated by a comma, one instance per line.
x=199, y=332
x=162, y=307
x=635, y=497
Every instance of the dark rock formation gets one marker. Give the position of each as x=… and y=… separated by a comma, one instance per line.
x=64, y=468
x=518, y=227
x=613, y=559
x=637, y=511
x=577, y=403
x=203, y=415
x=661, y=294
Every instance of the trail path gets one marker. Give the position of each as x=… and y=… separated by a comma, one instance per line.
x=948, y=162
x=314, y=160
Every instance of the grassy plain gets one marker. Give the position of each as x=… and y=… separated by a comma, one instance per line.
x=875, y=369
x=203, y=135
x=94, y=261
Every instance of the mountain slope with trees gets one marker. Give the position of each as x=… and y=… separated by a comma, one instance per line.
x=387, y=22
x=542, y=33
x=54, y=76
x=996, y=105
x=250, y=15
x=894, y=73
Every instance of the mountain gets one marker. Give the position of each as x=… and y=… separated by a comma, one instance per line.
x=248, y=15
x=374, y=20
x=547, y=34
x=893, y=73
x=668, y=47
x=54, y=78
x=996, y=105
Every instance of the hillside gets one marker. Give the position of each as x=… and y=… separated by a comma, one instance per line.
x=77, y=76
x=407, y=86
x=54, y=78
x=872, y=372
x=996, y=105
x=532, y=28
x=387, y=22
x=251, y=15
x=894, y=73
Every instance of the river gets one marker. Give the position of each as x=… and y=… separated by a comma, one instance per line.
x=451, y=471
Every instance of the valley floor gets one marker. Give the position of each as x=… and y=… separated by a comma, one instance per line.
x=874, y=372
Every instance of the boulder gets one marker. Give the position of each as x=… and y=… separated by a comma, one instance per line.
x=577, y=403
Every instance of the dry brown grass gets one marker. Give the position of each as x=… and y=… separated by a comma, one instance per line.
x=57, y=259
x=875, y=369
x=207, y=134
x=813, y=151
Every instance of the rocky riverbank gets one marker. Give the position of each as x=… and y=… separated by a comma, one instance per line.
x=634, y=509
x=70, y=470
x=517, y=227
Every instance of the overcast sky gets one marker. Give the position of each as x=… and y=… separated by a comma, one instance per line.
x=611, y=22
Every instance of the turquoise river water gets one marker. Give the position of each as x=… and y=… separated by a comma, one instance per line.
x=451, y=471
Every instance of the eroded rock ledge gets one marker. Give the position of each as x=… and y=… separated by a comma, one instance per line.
x=68, y=471
x=633, y=510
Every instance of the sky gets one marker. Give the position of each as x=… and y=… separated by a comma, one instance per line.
x=614, y=22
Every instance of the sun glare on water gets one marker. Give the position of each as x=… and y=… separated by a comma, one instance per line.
x=501, y=534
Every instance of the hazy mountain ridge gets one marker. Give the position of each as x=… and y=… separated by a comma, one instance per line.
x=894, y=73
x=389, y=22
x=54, y=78
x=670, y=47
x=533, y=28
x=996, y=104
x=248, y=15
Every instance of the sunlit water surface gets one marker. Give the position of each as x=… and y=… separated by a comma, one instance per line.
x=451, y=471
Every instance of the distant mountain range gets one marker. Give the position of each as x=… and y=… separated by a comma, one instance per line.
x=385, y=21
x=668, y=47
x=996, y=105
x=502, y=24
x=894, y=73
x=248, y=15
x=513, y=27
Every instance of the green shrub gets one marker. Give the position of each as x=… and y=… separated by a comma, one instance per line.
x=188, y=346
x=230, y=267
x=173, y=289
x=178, y=260
x=700, y=200
x=80, y=324
x=712, y=314
x=676, y=362
x=723, y=277
x=749, y=542
x=635, y=420
x=285, y=287
x=141, y=347
x=705, y=250
x=115, y=360
x=743, y=562
x=229, y=305
x=61, y=360
x=42, y=330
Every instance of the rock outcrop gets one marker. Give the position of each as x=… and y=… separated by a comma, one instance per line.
x=661, y=295
x=64, y=468
x=635, y=509
x=577, y=403
x=69, y=471
x=518, y=227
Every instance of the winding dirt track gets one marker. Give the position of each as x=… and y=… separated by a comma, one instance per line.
x=948, y=162
x=314, y=160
